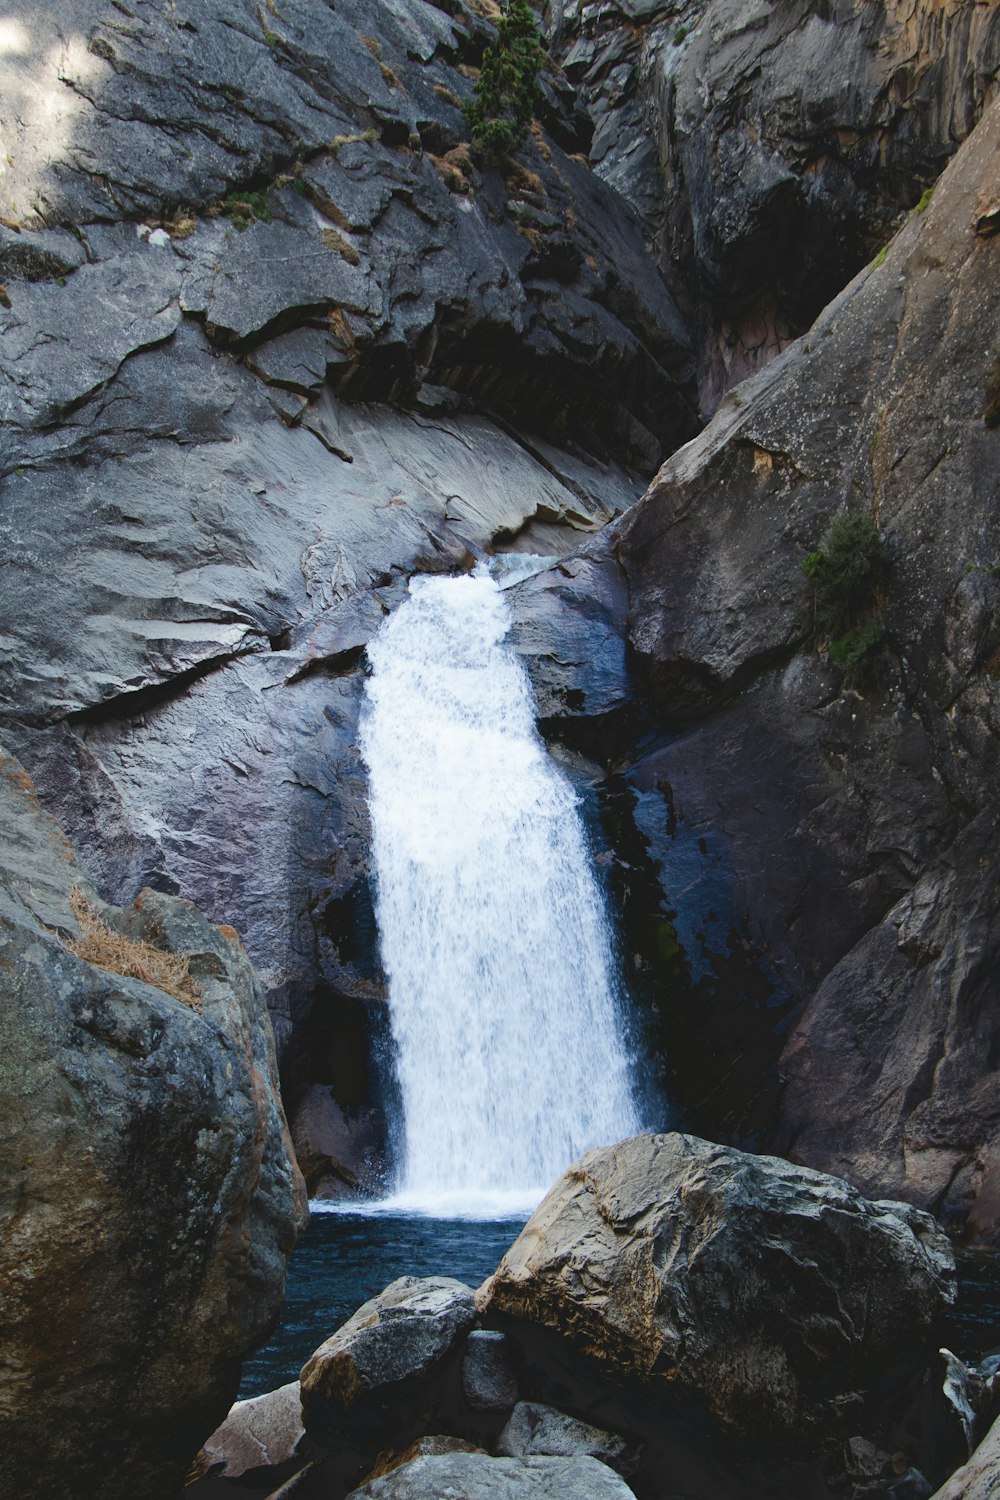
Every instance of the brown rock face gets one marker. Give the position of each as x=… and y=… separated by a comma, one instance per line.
x=148, y=1200
x=859, y=822
x=771, y=1296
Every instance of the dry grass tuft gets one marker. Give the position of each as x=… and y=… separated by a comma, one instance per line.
x=392, y=80
x=134, y=959
x=334, y=240
x=456, y=168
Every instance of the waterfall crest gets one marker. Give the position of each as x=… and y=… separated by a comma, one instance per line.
x=508, y=1040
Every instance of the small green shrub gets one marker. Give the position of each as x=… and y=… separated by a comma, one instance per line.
x=679, y=35
x=924, y=200
x=245, y=208
x=846, y=573
x=503, y=103
x=848, y=651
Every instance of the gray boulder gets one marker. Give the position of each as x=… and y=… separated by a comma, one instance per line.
x=471, y=1474
x=391, y=1365
x=151, y=1197
x=535, y=1430
x=768, y=1294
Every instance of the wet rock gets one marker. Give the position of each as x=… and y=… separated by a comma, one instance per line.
x=151, y=1196
x=489, y=1382
x=534, y=1429
x=338, y=1153
x=391, y=1365
x=502, y=1478
x=763, y=1292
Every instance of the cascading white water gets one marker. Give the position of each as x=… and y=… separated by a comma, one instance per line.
x=508, y=1041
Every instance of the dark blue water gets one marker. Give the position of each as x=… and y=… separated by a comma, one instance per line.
x=974, y=1326
x=343, y=1259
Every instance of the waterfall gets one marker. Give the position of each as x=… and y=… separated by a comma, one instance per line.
x=509, y=1048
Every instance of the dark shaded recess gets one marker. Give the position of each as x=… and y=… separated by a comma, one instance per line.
x=330, y=1046
x=681, y=1440
x=131, y=705
x=349, y=922
x=607, y=739
x=343, y=1040
x=709, y=1012
x=633, y=414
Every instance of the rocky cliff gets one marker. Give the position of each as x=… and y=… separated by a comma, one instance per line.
x=275, y=341
x=845, y=829
x=150, y=1198
x=773, y=149
x=218, y=224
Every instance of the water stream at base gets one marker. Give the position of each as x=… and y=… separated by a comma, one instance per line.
x=506, y=1022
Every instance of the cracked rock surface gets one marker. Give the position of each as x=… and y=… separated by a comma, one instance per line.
x=271, y=341
x=702, y=1278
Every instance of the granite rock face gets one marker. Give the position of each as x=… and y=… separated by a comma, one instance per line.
x=826, y=850
x=227, y=240
x=773, y=147
x=880, y=804
x=763, y=1293
x=150, y=1199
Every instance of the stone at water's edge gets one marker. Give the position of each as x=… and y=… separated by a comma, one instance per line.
x=149, y=1197
x=774, y=1297
x=374, y=1381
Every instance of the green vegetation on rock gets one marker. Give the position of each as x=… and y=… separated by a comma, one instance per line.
x=506, y=92
x=845, y=573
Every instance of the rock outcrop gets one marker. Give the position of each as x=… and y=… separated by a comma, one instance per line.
x=150, y=1199
x=819, y=843
x=773, y=147
x=979, y=1479
x=766, y=1294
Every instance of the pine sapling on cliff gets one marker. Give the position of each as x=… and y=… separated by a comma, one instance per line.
x=506, y=92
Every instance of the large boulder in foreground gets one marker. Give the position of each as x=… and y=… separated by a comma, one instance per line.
x=149, y=1198
x=773, y=1297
